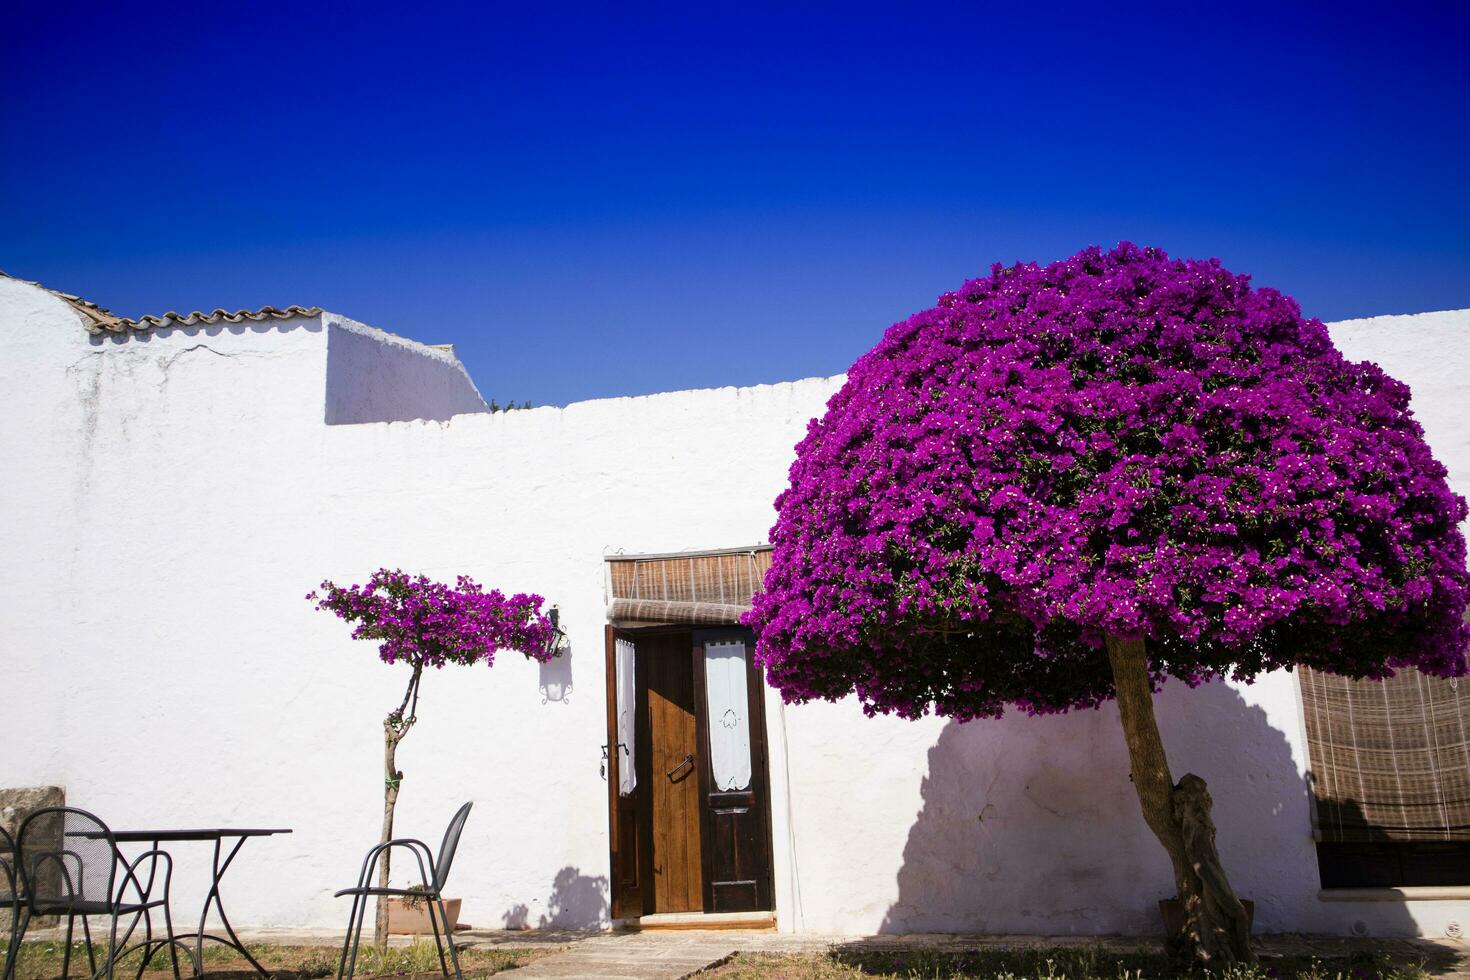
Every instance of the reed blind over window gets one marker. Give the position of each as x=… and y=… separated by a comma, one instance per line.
x=708, y=588
x=1389, y=760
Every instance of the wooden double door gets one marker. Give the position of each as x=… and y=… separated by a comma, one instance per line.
x=688, y=789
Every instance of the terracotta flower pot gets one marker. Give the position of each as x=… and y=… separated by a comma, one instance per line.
x=1173, y=915
x=405, y=921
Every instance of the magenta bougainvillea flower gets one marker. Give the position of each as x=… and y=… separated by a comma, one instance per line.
x=427, y=623
x=1118, y=443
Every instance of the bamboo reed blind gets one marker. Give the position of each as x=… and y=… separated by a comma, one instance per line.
x=1389, y=760
x=710, y=588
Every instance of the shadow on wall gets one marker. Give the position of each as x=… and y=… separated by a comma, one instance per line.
x=1031, y=825
x=554, y=678
x=577, y=901
x=310, y=322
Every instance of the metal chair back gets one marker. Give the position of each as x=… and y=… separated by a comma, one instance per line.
x=66, y=856
x=9, y=897
x=449, y=846
x=9, y=874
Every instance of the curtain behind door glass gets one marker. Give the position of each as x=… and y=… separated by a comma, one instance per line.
x=627, y=700
x=729, y=714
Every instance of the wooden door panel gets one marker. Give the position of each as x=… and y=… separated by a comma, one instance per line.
x=631, y=899
x=623, y=812
x=735, y=853
x=676, y=857
x=737, y=821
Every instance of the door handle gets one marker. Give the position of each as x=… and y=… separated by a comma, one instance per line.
x=688, y=763
x=602, y=767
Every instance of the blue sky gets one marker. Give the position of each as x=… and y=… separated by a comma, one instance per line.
x=624, y=199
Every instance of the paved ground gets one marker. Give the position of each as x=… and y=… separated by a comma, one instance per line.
x=600, y=955
x=658, y=955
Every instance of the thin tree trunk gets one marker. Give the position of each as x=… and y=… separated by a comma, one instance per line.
x=1217, y=929
x=395, y=727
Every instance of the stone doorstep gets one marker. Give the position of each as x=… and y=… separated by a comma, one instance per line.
x=749, y=921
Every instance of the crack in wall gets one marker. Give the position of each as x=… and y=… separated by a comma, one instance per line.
x=169, y=362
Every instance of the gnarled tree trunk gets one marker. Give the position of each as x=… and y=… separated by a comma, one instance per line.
x=1217, y=928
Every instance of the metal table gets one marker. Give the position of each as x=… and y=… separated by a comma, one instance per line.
x=218, y=835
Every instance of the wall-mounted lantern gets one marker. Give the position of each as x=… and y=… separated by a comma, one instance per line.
x=558, y=637
x=556, y=670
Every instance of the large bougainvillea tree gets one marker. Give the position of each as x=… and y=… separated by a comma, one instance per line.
x=1065, y=484
x=423, y=623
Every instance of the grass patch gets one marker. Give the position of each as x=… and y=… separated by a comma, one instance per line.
x=42, y=961
x=1064, y=963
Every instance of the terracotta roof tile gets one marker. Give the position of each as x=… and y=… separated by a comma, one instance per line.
x=99, y=320
x=221, y=316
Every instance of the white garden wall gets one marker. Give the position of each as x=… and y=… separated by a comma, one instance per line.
x=170, y=498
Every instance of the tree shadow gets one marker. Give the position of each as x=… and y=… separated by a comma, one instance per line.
x=577, y=901
x=1286, y=958
x=1031, y=825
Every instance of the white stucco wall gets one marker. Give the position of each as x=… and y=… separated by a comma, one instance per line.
x=374, y=376
x=173, y=498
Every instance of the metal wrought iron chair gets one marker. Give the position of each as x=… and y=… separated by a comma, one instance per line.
x=433, y=873
x=69, y=865
x=10, y=898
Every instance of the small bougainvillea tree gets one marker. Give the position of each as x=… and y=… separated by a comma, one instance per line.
x=423, y=623
x=1065, y=484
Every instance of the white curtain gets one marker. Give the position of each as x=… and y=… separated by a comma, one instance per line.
x=729, y=714
x=627, y=700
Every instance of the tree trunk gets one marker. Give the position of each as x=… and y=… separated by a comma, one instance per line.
x=1217, y=928
x=395, y=726
x=391, y=778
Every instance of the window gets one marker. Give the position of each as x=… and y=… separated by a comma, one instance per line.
x=728, y=702
x=627, y=700
x=1393, y=864
x=1389, y=769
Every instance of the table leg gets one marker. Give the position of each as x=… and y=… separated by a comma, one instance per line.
x=230, y=939
x=149, y=945
x=208, y=897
